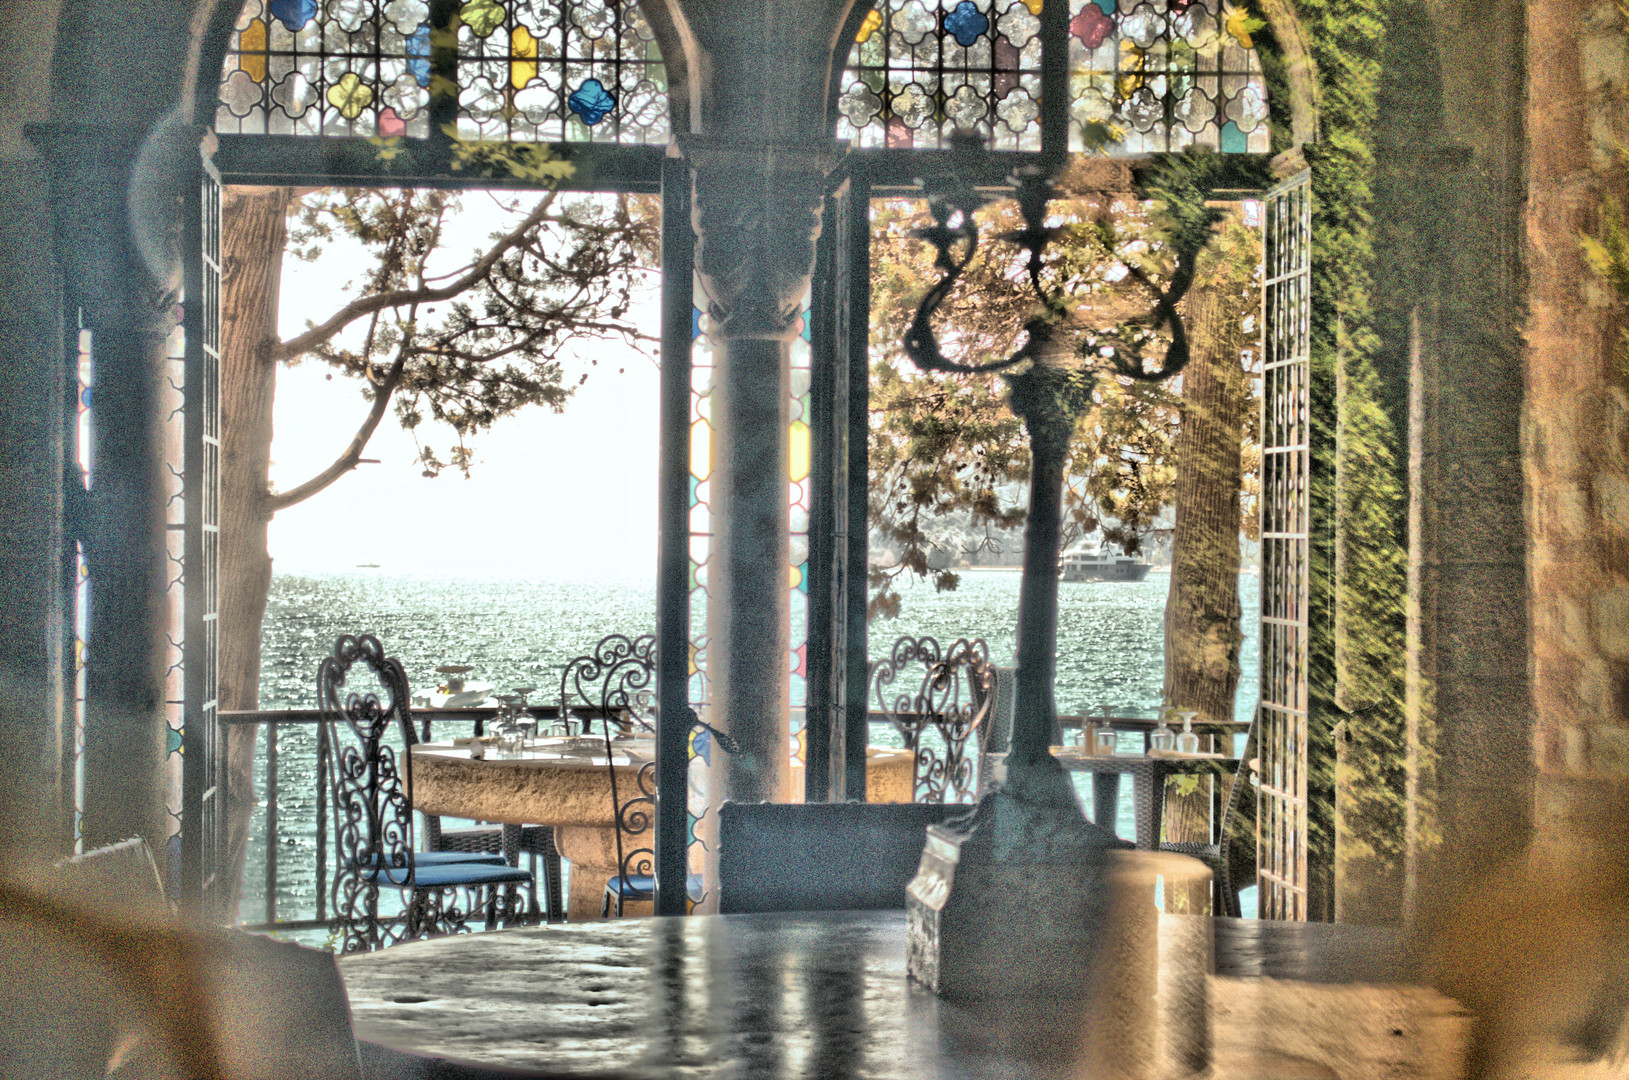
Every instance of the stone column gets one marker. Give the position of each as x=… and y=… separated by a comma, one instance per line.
x=114, y=289
x=757, y=215
x=33, y=548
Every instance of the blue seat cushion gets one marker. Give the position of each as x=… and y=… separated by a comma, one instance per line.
x=453, y=874
x=643, y=886
x=444, y=858
x=448, y=858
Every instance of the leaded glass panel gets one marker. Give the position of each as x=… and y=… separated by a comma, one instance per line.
x=526, y=70
x=340, y=67
x=1164, y=75
x=1143, y=78
x=922, y=69
x=541, y=71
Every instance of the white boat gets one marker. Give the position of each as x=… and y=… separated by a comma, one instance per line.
x=442, y=697
x=1101, y=566
x=455, y=693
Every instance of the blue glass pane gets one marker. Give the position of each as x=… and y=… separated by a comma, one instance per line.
x=695, y=323
x=967, y=23
x=418, y=53
x=591, y=101
x=294, y=13
x=1233, y=140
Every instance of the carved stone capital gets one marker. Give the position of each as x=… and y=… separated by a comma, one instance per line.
x=757, y=216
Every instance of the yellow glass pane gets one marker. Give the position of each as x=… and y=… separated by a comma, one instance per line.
x=873, y=23
x=799, y=440
x=794, y=577
x=252, y=46
x=523, y=57
x=701, y=450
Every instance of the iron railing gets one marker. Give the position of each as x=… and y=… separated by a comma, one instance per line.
x=462, y=720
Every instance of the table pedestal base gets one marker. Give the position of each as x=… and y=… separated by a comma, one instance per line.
x=592, y=853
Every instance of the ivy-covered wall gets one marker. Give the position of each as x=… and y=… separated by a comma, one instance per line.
x=1418, y=663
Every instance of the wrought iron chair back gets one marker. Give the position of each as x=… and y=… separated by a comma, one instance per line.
x=614, y=683
x=364, y=741
x=938, y=715
x=610, y=682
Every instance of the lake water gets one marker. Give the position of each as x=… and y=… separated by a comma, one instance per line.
x=519, y=631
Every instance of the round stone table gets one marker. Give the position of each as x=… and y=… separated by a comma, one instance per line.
x=762, y=997
x=557, y=784
x=564, y=783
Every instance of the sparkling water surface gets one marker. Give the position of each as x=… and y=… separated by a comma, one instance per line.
x=517, y=631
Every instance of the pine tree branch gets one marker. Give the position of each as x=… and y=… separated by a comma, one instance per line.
x=353, y=452
x=368, y=305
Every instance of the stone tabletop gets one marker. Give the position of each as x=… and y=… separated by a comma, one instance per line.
x=825, y=994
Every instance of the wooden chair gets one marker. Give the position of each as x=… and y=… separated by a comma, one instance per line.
x=821, y=856
x=372, y=784
x=938, y=715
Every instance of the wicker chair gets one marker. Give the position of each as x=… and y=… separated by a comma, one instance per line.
x=372, y=785
x=1221, y=855
x=938, y=715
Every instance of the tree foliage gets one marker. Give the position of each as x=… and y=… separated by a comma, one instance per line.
x=468, y=344
x=948, y=455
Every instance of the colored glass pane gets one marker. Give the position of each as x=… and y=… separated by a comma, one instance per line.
x=799, y=467
x=1149, y=78
x=924, y=69
x=1144, y=77
x=347, y=67
x=562, y=71
x=525, y=70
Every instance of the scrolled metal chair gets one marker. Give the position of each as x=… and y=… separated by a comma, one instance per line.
x=372, y=785
x=609, y=682
x=937, y=716
x=612, y=683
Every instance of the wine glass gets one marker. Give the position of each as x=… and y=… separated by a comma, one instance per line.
x=525, y=719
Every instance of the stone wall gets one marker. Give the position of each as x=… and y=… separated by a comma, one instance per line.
x=1576, y=427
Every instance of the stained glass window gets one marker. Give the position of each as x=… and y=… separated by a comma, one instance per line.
x=526, y=70
x=81, y=633
x=701, y=545
x=1143, y=77
x=542, y=71
x=344, y=67
x=921, y=69
x=1163, y=76
x=175, y=510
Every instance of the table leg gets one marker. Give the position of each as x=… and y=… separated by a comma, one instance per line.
x=1148, y=790
x=1105, y=799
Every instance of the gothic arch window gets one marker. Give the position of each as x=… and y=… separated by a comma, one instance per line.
x=523, y=70
x=1143, y=78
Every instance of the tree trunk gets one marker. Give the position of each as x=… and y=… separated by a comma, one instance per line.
x=1202, y=629
x=253, y=231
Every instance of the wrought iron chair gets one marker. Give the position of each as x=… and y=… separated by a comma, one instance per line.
x=372, y=784
x=938, y=716
x=821, y=856
x=611, y=684
x=508, y=842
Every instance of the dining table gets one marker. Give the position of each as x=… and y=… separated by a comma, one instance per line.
x=825, y=994
x=559, y=781
x=1148, y=771
x=563, y=781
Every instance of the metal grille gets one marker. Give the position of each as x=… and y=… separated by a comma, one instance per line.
x=1281, y=812
x=203, y=815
